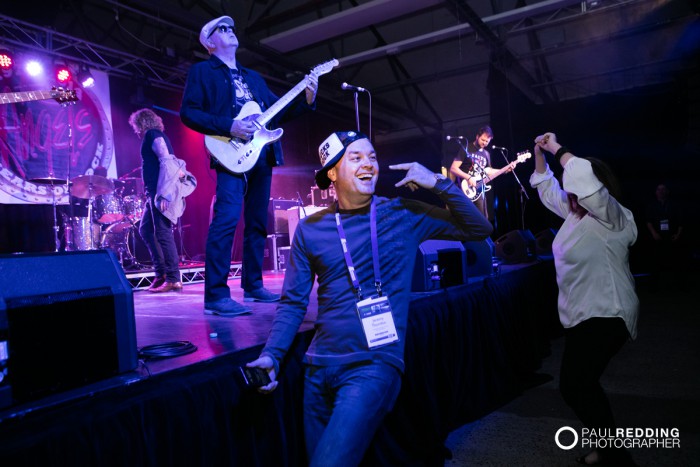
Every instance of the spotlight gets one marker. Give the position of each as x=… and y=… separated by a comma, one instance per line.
x=63, y=74
x=34, y=68
x=85, y=77
x=6, y=61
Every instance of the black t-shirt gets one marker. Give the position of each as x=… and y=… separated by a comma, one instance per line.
x=151, y=164
x=476, y=155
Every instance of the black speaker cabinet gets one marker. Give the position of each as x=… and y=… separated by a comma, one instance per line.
x=479, y=257
x=66, y=320
x=439, y=263
x=277, y=222
x=517, y=246
x=543, y=242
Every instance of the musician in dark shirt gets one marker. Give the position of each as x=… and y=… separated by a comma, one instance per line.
x=474, y=167
x=215, y=92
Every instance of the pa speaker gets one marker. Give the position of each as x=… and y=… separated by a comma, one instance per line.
x=479, y=256
x=439, y=263
x=543, y=242
x=66, y=320
x=517, y=246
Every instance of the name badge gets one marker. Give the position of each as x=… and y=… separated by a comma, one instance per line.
x=377, y=321
x=664, y=224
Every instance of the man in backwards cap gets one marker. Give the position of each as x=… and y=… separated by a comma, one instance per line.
x=361, y=250
x=215, y=92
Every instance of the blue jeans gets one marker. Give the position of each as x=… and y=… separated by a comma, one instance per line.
x=234, y=192
x=156, y=232
x=343, y=407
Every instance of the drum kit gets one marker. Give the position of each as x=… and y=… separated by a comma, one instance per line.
x=114, y=208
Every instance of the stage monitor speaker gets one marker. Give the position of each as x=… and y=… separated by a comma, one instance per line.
x=517, y=246
x=439, y=263
x=543, y=242
x=479, y=257
x=66, y=320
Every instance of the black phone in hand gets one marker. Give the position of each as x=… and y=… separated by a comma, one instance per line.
x=253, y=377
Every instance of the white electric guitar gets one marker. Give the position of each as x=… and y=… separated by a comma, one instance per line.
x=239, y=155
x=474, y=192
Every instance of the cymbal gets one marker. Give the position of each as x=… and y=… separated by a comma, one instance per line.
x=85, y=186
x=49, y=180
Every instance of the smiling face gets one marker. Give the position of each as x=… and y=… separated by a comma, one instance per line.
x=355, y=175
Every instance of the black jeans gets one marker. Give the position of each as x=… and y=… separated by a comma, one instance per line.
x=589, y=347
x=156, y=232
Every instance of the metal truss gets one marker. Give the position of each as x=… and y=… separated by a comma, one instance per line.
x=188, y=275
x=38, y=39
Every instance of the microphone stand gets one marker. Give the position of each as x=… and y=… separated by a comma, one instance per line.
x=523, y=193
x=357, y=112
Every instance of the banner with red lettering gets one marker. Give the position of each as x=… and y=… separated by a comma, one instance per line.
x=42, y=139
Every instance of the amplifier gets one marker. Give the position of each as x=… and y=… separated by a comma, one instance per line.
x=277, y=221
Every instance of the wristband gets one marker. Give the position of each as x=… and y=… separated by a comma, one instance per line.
x=562, y=150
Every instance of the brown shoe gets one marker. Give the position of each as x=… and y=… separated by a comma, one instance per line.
x=167, y=287
x=157, y=282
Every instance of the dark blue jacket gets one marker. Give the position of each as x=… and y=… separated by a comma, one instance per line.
x=207, y=103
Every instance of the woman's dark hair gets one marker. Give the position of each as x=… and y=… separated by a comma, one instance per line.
x=606, y=176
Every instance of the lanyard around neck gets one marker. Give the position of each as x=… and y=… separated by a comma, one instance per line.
x=375, y=249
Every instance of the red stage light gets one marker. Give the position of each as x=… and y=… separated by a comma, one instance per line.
x=6, y=60
x=63, y=74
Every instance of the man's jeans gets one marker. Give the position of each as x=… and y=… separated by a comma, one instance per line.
x=343, y=407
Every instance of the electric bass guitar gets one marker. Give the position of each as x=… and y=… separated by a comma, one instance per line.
x=62, y=96
x=474, y=192
x=238, y=155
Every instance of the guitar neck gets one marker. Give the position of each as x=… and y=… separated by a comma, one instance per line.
x=500, y=171
x=14, y=97
x=275, y=108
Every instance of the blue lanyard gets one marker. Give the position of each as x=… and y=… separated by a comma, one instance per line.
x=375, y=249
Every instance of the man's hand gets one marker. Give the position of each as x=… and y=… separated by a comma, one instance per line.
x=311, y=87
x=416, y=176
x=242, y=129
x=163, y=204
x=265, y=363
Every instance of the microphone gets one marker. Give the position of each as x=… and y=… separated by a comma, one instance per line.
x=448, y=137
x=350, y=87
x=497, y=147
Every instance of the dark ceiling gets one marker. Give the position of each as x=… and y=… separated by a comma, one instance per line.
x=426, y=63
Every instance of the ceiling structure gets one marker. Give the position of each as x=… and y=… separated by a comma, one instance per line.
x=426, y=63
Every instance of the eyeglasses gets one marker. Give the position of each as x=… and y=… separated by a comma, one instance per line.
x=223, y=29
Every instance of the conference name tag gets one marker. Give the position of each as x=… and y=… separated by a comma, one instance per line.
x=377, y=321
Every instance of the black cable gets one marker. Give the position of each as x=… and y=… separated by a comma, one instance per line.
x=167, y=350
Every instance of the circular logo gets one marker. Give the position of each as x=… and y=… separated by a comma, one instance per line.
x=569, y=446
x=47, y=138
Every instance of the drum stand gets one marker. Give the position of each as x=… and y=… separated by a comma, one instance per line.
x=183, y=258
x=52, y=181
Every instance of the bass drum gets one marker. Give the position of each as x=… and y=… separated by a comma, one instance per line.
x=81, y=234
x=123, y=238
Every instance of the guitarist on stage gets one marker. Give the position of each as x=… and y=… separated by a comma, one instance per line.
x=476, y=165
x=215, y=92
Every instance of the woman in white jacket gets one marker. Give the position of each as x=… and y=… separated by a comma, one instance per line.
x=597, y=303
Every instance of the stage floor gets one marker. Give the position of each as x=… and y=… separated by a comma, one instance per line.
x=179, y=316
